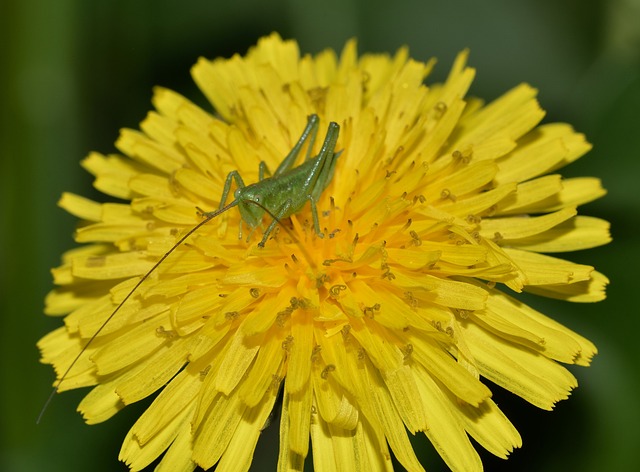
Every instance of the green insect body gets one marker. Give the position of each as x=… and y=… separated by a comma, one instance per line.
x=281, y=195
x=288, y=190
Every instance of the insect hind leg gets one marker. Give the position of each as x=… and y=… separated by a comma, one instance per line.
x=314, y=215
x=308, y=134
x=328, y=158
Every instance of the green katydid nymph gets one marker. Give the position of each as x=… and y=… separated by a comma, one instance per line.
x=280, y=195
x=289, y=189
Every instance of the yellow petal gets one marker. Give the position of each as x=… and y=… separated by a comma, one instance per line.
x=206, y=153
x=529, y=195
x=100, y=404
x=237, y=360
x=444, y=367
x=402, y=387
x=113, y=266
x=265, y=371
x=491, y=428
x=481, y=203
x=112, y=173
x=160, y=128
x=131, y=346
x=580, y=232
x=297, y=423
x=148, y=152
x=212, y=436
x=519, y=227
x=300, y=349
x=543, y=270
x=541, y=151
x=445, y=432
x=153, y=185
x=239, y=453
x=463, y=255
x=445, y=292
x=393, y=427
x=462, y=182
x=176, y=107
x=373, y=340
x=288, y=458
x=264, y=314
x=153, y=372
x=573, y=192
x=324, y=458
x=512, y=115
x=61, y=349
x=138, y=457
x=529, y=375
x=174, y=400
x=334, y=407
x=178, y=456
x=80, y=206
x=556, y=331
x=62, y=301
x=587, y=291
x=197, y=183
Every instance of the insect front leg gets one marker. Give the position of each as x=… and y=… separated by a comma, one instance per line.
x=283, y=211
x=233, y=175
x=262, y=169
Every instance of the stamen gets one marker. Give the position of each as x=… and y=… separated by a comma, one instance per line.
x=406, y=351
x=473, y=219
x=315, y=353
x=411, y=300
x=346, y=329
x=369, y=310
x=335, y=290
x=327, y=370
x=439, y=109
x=287, y=343
x=163, y=333
x=204, y=372
x=447, y=195
x=415, y=239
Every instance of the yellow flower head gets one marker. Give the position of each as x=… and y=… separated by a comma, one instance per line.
x=387, y=324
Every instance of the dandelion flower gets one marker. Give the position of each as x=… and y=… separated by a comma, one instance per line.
x=440, y=210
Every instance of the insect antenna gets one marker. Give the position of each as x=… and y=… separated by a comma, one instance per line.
x=208, y=217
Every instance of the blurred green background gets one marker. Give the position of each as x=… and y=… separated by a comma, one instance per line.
x=73, y=72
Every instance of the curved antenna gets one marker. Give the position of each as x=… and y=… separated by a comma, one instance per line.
x=209, y=217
